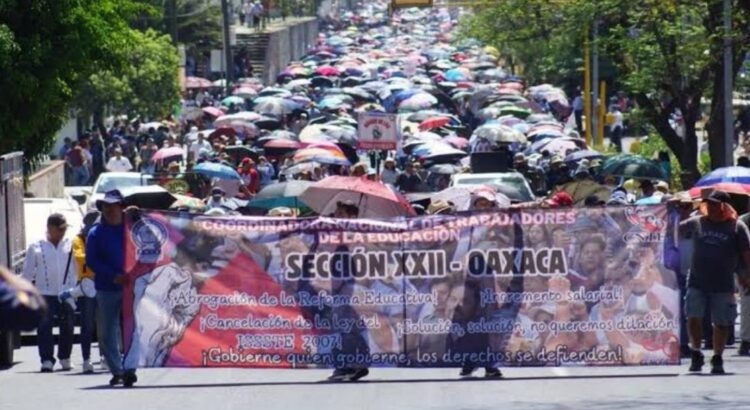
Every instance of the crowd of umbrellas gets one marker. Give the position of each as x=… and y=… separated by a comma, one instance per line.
x=453, y=99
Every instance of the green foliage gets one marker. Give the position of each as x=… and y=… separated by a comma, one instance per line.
x=198, y=23
x=147, y=85
x=536, y=35
x=47, y=49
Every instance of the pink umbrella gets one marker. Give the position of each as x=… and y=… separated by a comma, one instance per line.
x=197, y=82
x=560, y=146
x=456, y=141
x=168, y=153
x=374, y=200
x=213, y=111
x=282, y=144
x=328, y=71
x=245, y=92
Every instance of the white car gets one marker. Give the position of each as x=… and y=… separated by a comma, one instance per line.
x=108, y=181
x=36, y=211
x=513, y=184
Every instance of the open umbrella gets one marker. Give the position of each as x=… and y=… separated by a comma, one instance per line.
x=417, y=102
x=438, y=152
x=457, y=142
x=320, y=155
x=584, y=154
x=280, y=194
x=633, y=166
x=580, y=190
x=213, y=111
x=168, y=153
x=197, y=82
x=233, y=99
x=498, y=133
x=434, y=122
x=461, y=196
x=148, y=197
x=245, y=92
x=726, y=174
x=445, y=169
x=214, y=170
x=728, y=187
x=239, y=152
x=189, y=202
x=274, y=106
x=374, y=200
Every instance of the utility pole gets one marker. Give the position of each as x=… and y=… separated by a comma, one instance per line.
x=728, y=114
x=597, y=138
x=587, y=89
x=228, y=60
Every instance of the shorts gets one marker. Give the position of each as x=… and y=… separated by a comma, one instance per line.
x=723, y=306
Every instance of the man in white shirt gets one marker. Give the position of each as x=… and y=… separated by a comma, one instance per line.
x=50, y=266
x=118, y=163
x=196, y=147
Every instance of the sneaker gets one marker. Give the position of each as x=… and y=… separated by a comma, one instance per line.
x=130, y=379
x=115, y=380
x=88, y=368
x=340, y=375
x=717, y=365
x=467, y=371
x=358, y=374
x=696, y=361
x=744, y=349
x=47, y=366
x=66, y=365
x=492, y=373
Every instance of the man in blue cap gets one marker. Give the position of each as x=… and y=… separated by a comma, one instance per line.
x=105, y=254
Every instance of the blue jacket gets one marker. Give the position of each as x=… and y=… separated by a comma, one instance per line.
x=105, y=254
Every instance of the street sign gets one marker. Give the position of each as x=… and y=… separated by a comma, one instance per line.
x=379, y=130
x=400, y=4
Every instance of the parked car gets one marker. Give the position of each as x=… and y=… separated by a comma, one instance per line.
x=512, y=184
x=108, y=181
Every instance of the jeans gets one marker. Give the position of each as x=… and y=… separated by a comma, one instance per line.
x=80, y=176
x=109, y=311
x=88, y=318
x=45, y=340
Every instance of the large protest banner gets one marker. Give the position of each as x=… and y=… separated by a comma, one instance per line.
x=516, y=288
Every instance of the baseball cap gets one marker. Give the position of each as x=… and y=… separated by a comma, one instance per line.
x=484, y=193
x=718, y=197
x=57, y=220
x=519, y=157
x=217, y=191
x=560, y=199
x=112, y=197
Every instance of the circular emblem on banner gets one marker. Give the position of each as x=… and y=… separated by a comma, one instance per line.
x=377, y=133
x=148, y=236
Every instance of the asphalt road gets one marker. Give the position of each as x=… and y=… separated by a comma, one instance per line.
x=667, y=387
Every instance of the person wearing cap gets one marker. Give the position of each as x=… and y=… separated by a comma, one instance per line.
x=281, y=212
x=87, y=304
x=50, y=266
x=217, y=198
x=560, y=200
x=118, y=163
x=483, y=199
x=390, y=174
x=105, y=254
x=719, y=241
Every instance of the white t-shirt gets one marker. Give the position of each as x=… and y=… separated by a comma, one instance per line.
x=119, y=165
x=197, y=146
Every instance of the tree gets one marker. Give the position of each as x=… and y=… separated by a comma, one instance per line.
x=667, y=53
x=47, y=49
x=533, y=36
x=147, y=85
x=195, y=23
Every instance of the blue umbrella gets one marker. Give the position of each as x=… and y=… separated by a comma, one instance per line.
x=740, y=175
x=214, y=170
x=455, y=75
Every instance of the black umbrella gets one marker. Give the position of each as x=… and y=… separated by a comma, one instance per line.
x=268, y=123
x=239, y=152
x=321, y=82
x=148, y=197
